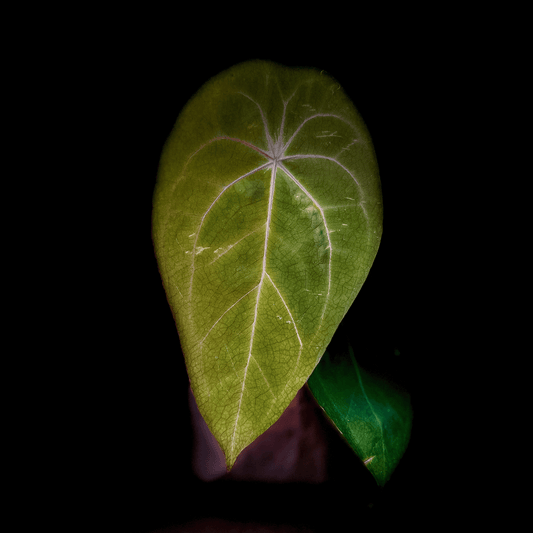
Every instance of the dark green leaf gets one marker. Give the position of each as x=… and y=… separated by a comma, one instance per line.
x=372, y=414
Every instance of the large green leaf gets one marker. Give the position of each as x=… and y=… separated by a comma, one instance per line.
x=267, y=218
x=372, y=414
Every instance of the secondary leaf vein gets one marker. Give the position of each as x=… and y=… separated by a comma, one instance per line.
x=311, y=118
x=266, y=165
x=330, y=247
x=224, y=313
x=315, y=156
x=288, y=310
x=234, y=139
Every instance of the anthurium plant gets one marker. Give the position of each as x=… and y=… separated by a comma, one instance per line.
x=267, y=217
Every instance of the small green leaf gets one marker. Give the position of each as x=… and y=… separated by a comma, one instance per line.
x=267, y=218
x=372, y=414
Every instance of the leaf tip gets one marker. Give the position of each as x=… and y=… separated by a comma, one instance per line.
x=230, y=460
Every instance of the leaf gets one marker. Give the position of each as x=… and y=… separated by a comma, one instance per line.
x=373, y=415
x=267, y=218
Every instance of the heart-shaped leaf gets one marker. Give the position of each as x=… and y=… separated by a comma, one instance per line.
x=267, y=218
x=372, y=414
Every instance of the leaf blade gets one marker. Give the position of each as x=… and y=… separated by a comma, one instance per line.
x=255, y=248
x=373, y=415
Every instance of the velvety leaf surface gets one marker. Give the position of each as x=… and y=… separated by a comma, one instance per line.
x=267, y=218
x=373, y=415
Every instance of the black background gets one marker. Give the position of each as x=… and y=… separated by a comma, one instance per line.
x=134, y=440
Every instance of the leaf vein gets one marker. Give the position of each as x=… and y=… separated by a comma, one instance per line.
x=207, y=212
x=311, y=118
x=264, y=377
x=288, y=310
x=330, y=247
x=234, y=139
x=265, y=122
x=267, y=231
x=315, y=156
x=226, y=311
x=369, y=403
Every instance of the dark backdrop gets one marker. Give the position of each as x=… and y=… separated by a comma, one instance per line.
x=136, y=434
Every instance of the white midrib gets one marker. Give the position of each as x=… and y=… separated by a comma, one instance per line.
x=276, y=156
x=370, y=405
x=263, y=274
